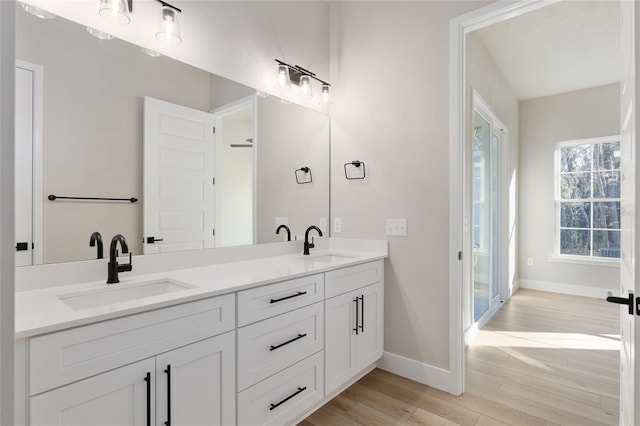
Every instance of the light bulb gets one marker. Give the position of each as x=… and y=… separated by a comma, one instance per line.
x=305, y=85
x=325, y=93
x=283, y=76
x=168, y=29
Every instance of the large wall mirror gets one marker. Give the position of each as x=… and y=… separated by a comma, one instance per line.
x=118, y=123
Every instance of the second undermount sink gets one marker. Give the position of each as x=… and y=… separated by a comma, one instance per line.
x=118, y=293
x=324, y=258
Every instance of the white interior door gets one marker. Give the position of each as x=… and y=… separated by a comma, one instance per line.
x=629, y=399
x=178, y=205
x=24, y=166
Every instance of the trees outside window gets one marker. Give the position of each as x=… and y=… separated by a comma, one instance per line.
x=588, y=198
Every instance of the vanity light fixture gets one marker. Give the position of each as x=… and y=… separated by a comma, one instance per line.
x=295, y=74
x=99, y=34
x=116, y=11
x=168, y=29
x=36, y=11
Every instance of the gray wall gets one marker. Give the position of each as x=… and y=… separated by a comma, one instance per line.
x=544, y=122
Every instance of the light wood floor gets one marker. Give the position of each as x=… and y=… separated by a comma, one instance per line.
x=544, y=359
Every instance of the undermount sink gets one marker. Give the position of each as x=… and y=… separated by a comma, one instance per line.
x=117, y=293
x=324, y=258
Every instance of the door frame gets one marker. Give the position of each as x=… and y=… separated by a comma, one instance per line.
x=459, y=240
x=37, y=163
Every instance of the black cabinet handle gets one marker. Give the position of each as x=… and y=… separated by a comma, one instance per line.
x=148, y=380
x=168, y=371
x=362, y=314
x=357, y=315
x=300, y=336
x=300, y=293
x=276, y=405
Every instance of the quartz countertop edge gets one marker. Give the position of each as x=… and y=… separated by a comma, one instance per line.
x=42, y=311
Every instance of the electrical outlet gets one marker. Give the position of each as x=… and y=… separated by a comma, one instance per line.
x=282, y=221
x=529, y=261
x=322, y=224
x=337, y=224
x=396, y=227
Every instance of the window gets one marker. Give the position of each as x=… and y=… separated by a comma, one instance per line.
x=588, y=198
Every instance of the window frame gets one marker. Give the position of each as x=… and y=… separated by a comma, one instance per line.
x=590, y=258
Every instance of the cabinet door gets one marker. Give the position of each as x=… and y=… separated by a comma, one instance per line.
x=339, y=340
x=369, y=339
x=195, y=384
x=119, y=397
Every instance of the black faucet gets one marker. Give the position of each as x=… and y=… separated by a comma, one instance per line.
x=287, y=229
x=113, y=267
x=308, y=245
x=97, y=238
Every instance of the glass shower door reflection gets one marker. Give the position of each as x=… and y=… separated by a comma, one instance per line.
x=485, y=191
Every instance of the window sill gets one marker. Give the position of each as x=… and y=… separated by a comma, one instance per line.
x=583, y=260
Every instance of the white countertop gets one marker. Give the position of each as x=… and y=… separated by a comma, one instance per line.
x=42, y=311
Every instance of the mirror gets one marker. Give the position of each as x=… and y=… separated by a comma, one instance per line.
x=95, y=96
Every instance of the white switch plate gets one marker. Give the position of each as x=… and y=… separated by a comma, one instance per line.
x=337, y=224
x=322, y=224
x=396, y=227
x=282, y=221
x=529, y=261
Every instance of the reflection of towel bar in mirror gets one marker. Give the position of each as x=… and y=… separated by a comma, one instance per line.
x=356, y=165
x=301, y=176
x=57, y=197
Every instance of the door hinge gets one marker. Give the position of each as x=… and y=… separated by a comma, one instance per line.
x=459, y=255
x=214, y=232
x=214, y=181
x=214, y=130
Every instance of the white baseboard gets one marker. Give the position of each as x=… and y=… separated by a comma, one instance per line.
x=576, y=290
x=426, y=374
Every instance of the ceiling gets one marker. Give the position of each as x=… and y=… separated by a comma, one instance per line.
x=568, y=46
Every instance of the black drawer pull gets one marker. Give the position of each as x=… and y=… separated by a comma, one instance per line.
x=168, y=372
x=300, y=336
x=357, y=327
x=362, y=314
x=147, y=379
x=287, y=398
x=300, y=293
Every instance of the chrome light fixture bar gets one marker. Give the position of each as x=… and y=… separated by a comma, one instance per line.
x=299, y=76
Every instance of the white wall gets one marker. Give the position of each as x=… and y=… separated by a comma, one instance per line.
x=484, y=76
x=390, y=74
x=543, y=122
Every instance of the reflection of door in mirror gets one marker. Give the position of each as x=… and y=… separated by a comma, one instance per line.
x=28, y=151
x=178, y=208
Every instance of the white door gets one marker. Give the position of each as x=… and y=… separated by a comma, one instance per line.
x=119, y=397
x=178, y=204
x=196, y=383
x=340, y=340
x=24, y=166
x=629, y=399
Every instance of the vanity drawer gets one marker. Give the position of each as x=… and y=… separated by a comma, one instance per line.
x=266, y=347
x=347, y=279
x=274, y=299
x=285, y=396
x=66, y=356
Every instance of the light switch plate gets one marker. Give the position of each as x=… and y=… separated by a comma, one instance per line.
x=322, y=224
x=337, y=224
x=396, y=227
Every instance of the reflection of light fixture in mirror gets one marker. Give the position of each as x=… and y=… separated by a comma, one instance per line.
x=150, y=52
x=36, y=11
x=305, y=86
x=325, y=93
x=116, y=11
x=99, y=34
x=294, y=75
x=284, y=80
x=168, y=29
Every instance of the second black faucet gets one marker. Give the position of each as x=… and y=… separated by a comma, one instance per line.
x=113, y=268
x=308, y=245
